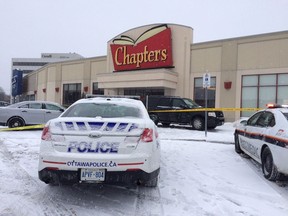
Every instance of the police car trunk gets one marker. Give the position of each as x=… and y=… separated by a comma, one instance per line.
x=98, y=150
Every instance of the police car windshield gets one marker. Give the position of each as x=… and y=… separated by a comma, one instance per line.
x=191, y=104
x=104, y=110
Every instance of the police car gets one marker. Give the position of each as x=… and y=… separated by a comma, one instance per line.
x=101, y=140
x=264, y=137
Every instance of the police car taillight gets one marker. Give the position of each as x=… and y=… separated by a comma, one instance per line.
x=147, y=135
x=46, y=134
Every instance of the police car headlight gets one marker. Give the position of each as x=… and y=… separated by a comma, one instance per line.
x=212, y=114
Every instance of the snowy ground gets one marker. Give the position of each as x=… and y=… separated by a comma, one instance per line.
x=200, y=175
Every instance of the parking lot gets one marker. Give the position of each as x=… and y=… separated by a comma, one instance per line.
x=199, y=176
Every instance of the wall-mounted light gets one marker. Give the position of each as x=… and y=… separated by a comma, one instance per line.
x=44, y=90
x=227, y=85
x=57, y=89
x=35, y=91
x=86, y=89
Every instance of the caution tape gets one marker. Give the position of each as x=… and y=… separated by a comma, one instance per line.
x=207, y=109
x=32, y=127
x=41, y=126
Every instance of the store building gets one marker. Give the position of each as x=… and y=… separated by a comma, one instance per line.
x=161, y=59
x=23, y=66
x=28, y=65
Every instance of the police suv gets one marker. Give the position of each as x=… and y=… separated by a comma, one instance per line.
x=101, y=140
x=264, y=137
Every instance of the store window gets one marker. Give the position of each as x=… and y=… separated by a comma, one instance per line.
x=30, y=97
x=96, y=90
x=258, y=90
x=199, y=92
x=71, y=93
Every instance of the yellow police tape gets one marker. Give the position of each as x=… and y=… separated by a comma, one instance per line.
x=207, y=109
x=41, y=126
x=32, y=127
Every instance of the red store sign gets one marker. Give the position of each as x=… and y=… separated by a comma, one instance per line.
x=152, y=49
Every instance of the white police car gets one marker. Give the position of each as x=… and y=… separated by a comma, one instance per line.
x=264, y=137
x=101, y=140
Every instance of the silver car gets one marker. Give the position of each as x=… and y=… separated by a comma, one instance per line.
x=29, y=113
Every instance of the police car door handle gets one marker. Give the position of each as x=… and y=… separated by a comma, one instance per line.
x=24, y=111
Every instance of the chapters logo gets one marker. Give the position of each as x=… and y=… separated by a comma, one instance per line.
x=152, y=49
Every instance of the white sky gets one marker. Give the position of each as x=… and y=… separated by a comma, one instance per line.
x=31, y=27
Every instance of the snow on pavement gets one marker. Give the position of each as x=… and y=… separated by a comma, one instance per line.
x=199, y=176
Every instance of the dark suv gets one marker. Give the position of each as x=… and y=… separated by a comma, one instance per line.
x=179, y=111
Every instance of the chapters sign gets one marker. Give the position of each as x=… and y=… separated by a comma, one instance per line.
x=152, y=49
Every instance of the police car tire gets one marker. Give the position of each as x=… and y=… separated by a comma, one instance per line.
x=15, y=122
x=53, y=180
x=152, y=182
x=237, y=144
x=268, y=167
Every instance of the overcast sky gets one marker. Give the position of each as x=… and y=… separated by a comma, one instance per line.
x=31, y=27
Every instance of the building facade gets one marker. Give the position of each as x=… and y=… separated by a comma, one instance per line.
x=28, y=65
x=161, y=59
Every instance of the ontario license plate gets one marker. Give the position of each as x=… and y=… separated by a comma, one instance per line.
x=92, y=174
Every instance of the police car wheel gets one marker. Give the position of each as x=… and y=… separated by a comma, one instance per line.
x=268, y=168
x=237, y=144
x=152, y=182
x=15, y=122
x=52, y=179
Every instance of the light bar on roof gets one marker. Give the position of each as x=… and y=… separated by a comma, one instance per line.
x=273, y=105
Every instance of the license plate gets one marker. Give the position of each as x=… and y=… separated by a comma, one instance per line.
x=92, y=174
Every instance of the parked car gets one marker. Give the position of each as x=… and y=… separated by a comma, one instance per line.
x=29, y=113
x=3, y=103
x=181, y=112
x=264, y=137
x=101, y=140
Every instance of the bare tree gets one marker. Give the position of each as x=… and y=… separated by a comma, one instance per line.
x=2, y=94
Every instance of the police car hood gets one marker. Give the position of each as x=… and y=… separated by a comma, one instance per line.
x=82, y=126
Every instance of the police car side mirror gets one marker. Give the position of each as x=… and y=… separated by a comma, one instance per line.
x=243, y=122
